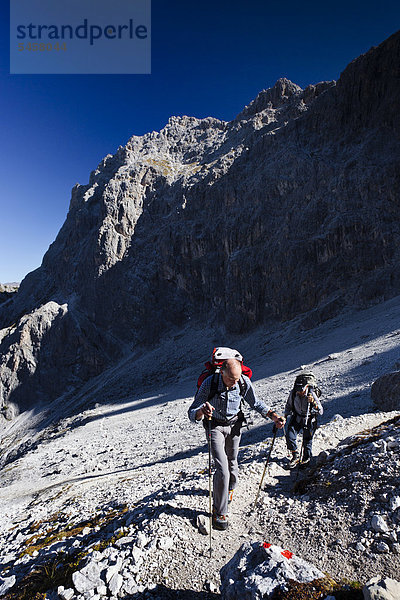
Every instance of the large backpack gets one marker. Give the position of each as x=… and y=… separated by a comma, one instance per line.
x=306, y=380
x=213, y=367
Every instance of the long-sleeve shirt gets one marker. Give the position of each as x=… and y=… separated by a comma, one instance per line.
x=297, y=405
x=226, y=401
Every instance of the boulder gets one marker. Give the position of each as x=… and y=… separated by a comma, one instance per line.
x=115, y=584
x=65, y=594
x=257, y=569
x=395, y=503
x=385, y=391
x=203, y=524
x=88, y=578
x=379, y=524
x=6, y=584
x=382, y=589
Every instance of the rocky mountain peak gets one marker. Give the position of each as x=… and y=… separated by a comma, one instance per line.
x=272, y=98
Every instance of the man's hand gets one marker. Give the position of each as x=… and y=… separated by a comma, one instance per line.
x=207, y=410
x=278, y=420
x=311, y=400
x=204, y=411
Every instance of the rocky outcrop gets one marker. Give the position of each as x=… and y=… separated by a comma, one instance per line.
x=361, y=468
x=258, y=570
x=381, y=589
x=47, y=352
x=290, y=207
x=385, y=391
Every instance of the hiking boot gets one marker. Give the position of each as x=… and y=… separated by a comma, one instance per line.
x=306, y=461
x=294, y=460
x=220, y=522
x=230, y=496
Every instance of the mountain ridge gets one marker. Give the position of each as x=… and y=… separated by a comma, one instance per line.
x=208, y=221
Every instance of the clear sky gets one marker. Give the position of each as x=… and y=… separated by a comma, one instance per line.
x=208, y=58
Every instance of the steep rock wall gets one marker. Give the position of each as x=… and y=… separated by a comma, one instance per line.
x=291, y=207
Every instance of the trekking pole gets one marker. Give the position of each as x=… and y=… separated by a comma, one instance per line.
x=274, y=429
x=302, y=442
x=209, y=481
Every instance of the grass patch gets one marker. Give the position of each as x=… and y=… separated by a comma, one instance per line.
x=51, y=536
x=58, y=571
x=48, y=576
x=319, y=588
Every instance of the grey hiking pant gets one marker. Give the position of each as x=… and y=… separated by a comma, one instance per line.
x=225, y=441
x=294, y=426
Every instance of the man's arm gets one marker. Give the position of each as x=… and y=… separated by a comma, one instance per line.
x=316, y=403
x=200, y=406
x=289, y=404
x=252, y=400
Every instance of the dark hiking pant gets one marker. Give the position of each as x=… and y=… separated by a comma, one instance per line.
x=295, y=425
x=225, y=441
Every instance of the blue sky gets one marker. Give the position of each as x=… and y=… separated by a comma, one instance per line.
x=208, y=58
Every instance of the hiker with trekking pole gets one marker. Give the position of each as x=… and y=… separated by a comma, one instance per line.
x=302, y=409
x=218, y=403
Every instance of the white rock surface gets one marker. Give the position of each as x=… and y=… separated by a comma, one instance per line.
x=67, y=594
x=382, y=547
x=256, y=570
x=395, y=503
x=88, y=578
x=382, y=589
x=6, y=583
x=165, y=543
x=379, y=524
x=115, y=584
x=142, y=540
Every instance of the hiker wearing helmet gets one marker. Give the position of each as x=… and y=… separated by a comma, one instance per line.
x=222, y=414
x=302, y=409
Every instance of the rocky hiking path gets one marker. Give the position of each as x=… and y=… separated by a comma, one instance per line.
x=120, y=484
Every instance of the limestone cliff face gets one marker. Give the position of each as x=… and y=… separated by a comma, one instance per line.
x=291, y=207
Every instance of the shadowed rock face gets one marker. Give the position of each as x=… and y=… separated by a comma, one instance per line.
x=289, y=208
x=385, y=391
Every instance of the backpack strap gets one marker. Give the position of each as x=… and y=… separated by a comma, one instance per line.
x=291, y=401
x=243, y=390
x=242, y=387
x=213, y=387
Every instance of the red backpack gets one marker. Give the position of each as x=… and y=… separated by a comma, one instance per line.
x=218, y=357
